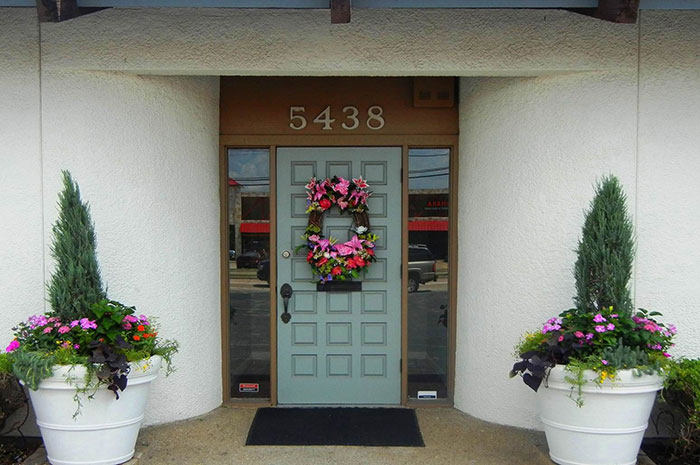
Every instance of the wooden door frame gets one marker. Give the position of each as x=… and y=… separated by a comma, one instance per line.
x=406, y=142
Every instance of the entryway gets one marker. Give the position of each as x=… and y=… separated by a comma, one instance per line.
x=387, y=337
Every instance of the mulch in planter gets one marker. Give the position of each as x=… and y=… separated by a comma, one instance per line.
x=661, y=452
x=14, y=450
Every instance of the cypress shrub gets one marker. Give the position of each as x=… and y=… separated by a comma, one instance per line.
x=76, y=283
x=605, y=252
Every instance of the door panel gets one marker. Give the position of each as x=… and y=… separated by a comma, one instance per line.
x=340, y=347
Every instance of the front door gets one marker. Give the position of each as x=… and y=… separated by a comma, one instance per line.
x=340, y=347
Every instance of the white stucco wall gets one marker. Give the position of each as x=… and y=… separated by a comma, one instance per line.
x=668, y=214
x=21, y=238
x=530, y=150
x=145, y=152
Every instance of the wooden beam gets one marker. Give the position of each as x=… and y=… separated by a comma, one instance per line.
x=615, y=11
x=618, y=11
x=340, y=11
x=57, y=10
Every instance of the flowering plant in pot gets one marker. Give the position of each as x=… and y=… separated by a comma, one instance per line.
x=89, y=361
x=598, y=366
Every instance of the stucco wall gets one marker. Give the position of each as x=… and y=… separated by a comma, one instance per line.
x=668, y=214
x=530, y=150
x=145, y=152
x=21, y=249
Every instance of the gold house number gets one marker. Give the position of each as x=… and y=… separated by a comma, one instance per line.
x=374, y=118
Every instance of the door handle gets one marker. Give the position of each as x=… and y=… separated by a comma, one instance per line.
x=286, y=292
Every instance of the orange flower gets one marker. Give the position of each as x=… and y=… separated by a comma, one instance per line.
x=137, y=338
x=146, y=336
x=140, y=328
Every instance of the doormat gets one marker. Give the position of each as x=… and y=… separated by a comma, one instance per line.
x=335, y=426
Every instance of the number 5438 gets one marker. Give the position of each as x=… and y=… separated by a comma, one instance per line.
x=351, y=119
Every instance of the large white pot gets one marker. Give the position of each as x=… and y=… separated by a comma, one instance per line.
x=106, y=430
x=608, y=429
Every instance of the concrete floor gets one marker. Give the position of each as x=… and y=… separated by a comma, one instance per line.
x=450, y=436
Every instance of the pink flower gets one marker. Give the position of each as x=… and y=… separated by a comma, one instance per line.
x=599, y=318
x=14, y=345
x=360, y=183
x=604, y=362
x=667, y=355
x=48, y=329
x=614, y=315
x=342, y=186
x=579, y=334
x=126, y=326
x=589, y=336
x=561, y=338
x=87, y=324
x=672, y=329
x=600, y=329
x=37, y=321
x=130, y=319
x=355, y=243
x=343, y=250
x=63, y=329
x=610, y=326
x=76, y=346
x=74, y=323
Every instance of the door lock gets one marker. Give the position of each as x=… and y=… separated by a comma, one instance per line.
x=286, y=292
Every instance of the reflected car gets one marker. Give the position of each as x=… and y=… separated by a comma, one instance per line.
x=422, y=267
x=231, y=254
x=264, y=270
x=249, y=259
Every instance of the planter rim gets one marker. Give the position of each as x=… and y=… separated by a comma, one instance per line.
x=72, y=376
x=625, y=381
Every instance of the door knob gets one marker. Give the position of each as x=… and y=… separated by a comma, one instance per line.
x=286, y=292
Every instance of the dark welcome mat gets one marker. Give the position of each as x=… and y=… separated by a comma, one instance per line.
x=335, y=426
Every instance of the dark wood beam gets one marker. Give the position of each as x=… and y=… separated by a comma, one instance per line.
x=57, y=10
x=615, y=11
x=341, y=11
x=618, y=11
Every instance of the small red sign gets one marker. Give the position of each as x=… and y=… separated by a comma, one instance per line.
x=248, y=387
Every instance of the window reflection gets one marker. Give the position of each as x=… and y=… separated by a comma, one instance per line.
x=249, y=272
x=428, y=295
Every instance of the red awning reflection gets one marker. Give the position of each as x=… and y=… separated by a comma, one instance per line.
x=255, y=228
x=428, y=225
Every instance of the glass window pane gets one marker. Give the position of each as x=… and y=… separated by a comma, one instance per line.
x=249, y=272
x=428, y=277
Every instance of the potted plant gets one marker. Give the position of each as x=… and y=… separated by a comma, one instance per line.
x=89, y=361
x=598, y=366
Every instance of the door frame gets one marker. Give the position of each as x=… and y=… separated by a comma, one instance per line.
x=271, y=142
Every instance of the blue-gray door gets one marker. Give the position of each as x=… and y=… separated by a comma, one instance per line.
x=340, y=347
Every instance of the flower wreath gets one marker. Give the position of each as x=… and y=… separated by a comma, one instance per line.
x=329, y=258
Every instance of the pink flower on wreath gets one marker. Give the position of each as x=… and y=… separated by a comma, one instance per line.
x=13, y=345
x=63, y=329
x=311, y=184
x=355, y=243
x=343, y=250
x=600, y=329
x=342, y=204
x=360, y=183
x=342, y=186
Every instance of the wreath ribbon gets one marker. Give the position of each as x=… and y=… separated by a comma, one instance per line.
x=330, y=259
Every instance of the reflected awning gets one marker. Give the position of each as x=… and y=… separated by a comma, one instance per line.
x=255, y=228
x=428, y=225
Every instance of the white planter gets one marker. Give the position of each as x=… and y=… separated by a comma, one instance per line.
x=105, y=432
x=608, y=429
